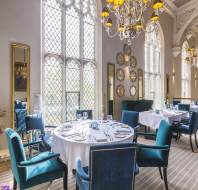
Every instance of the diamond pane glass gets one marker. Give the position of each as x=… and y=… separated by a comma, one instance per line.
x=72, y=34
x=89, y=41
x=53, y=90
x=52, y=30
x=89, y=86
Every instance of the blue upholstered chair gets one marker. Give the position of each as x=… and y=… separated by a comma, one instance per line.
x=111, y=167
x=35, y=122
x=45, y=167
x=130, y=118
x=156, y=155
x=184, y=107
x=20, y=125
x=190, y=129
x=176, y=102
x=89, y=112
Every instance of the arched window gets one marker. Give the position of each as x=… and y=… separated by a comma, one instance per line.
x=69, y=65
x=154, y=67
x=185, y=73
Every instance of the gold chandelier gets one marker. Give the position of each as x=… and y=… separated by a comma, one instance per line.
x=192, y=56
x=128, y=17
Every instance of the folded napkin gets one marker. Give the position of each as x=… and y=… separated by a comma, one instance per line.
x=100, y=137
x=123, y=130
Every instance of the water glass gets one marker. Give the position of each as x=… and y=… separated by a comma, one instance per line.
x=85, y=115
x=78, y=116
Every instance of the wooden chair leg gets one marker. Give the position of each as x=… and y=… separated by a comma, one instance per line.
x=196, y=140
x=14, y=184
x=191, y=145
x=165, y=178
x=65, y=176
x=160, y=171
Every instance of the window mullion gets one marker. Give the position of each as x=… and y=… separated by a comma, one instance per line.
x=63, y=45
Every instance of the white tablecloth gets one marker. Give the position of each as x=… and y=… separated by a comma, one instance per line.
x=72, y=148
x=153, y=119
x=193, y=107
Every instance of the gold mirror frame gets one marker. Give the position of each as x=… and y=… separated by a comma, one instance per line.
x=120, y=91
x=14, y=60
x=133, y=91
x=111, y=95
x=140, y=84
x=120, y=75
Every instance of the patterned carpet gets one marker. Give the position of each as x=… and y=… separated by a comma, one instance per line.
x=182, y=172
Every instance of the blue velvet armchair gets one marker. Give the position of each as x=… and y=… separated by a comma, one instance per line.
x=184, y=107
x=156, y=155
x=111, y=167
x=130, y=118
x=20, y=125
x=35, y=122
x=189, y=129
x=42, y=168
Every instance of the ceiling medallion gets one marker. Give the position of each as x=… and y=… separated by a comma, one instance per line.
x=129, y=17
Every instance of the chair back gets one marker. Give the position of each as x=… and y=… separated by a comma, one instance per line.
x=176, y=102
x=194, y=122
x=18, y=104
x=20, y=120
x=164, y=134
x=112, y=167
x=17, y=154
x=184, y=107
x=130, y=118
x=35, y=122
x=89, y=112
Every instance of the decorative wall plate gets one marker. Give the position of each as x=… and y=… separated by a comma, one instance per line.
x=120, y=91
x=133, y=62
x=133, y=90
x=127, y=49
x=120, y=58
x=120, y=74
x=133, y=76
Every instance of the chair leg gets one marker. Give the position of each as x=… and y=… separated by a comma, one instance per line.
x=196, y=140
x=77, y=188
x=160, y=171
x=165, y=177
x=65, y=175
x=14, y=184
x=191, y=145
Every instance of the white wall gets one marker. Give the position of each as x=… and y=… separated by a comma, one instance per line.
x=19, y=22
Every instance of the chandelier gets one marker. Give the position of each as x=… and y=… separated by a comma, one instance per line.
x=125, y=18
x=192, y=56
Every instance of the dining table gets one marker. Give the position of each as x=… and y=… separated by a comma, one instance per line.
x=153, y=118
x=72, y=140
x=193, y=107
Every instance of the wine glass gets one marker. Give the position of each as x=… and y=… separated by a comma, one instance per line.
x=78, y=116
x=85, y=115
x=109, y=117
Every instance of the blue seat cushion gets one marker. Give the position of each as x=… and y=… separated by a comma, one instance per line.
x=184, y=129
x=149, y=158
x=48, y=139
x=44, y=171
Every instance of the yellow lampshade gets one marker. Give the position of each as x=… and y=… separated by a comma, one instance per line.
x=105, y=12
x=139, y=25
x=158, y=4
x=109, y=1
x=109, y=23
x=154, y=17
x=145, y=1
x=118, y=3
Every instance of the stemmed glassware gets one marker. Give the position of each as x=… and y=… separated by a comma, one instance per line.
x=85, y=115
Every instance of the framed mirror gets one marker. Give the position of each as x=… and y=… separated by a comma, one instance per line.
x=133, y=76
x=120, y=74
x=20, y=82
x=140, y=84
x=120, y=91
x=133, y=90
x=110, y=88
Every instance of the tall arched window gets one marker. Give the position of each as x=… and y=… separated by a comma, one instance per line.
x=69, y=65
x=154, y=67
x=185, y=73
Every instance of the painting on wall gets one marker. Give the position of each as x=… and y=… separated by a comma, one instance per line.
x=20, y=76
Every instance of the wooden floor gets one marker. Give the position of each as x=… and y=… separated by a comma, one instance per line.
x=182, y=172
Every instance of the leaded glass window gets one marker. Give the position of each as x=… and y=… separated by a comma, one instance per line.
x=153, y=68
x=185, y=73
x=69, y=67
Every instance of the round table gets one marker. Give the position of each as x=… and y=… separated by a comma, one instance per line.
x=73, y=140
